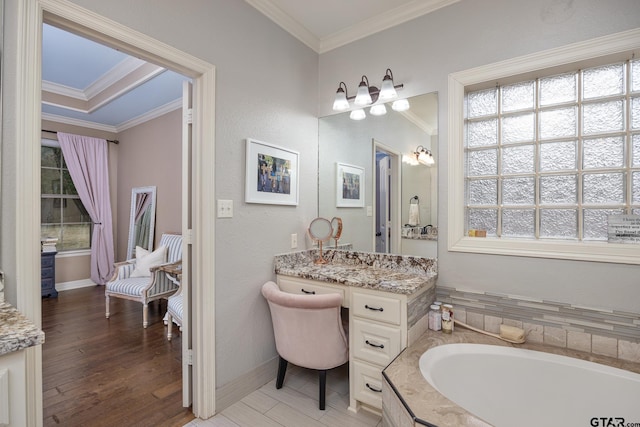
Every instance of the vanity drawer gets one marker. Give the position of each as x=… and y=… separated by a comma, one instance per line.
x=368, y=384
x=375, y=343
x=298, y=286
x=376, y=307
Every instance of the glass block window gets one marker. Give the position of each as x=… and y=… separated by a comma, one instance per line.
x=63, y=215
x=553, y=157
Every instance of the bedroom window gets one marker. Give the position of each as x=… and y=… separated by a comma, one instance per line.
x=544, y=149
x=63, y=215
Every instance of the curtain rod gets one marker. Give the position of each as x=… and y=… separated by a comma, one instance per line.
x=114, y=141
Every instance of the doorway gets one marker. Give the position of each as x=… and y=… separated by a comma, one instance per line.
x=386, y=164
x=27, y=128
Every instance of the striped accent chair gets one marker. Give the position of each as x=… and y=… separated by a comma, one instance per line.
x=174, y=312
x=145, y=289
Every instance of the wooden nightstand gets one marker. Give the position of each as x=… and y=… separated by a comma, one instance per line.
x=48, y=274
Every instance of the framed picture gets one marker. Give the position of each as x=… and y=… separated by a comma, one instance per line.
x=349, y=186
x=271, y=174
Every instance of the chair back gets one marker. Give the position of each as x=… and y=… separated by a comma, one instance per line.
x=173, y=242
x=308, y=328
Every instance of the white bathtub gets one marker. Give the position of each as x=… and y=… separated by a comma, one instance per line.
x=509, y=387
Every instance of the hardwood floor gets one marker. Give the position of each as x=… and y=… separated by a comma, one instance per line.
x=295, y=404
x=109, y=372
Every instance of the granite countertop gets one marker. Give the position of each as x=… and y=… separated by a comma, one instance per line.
x=427, y=404
x=390, y=273
x=16, y=331
x=432, y=237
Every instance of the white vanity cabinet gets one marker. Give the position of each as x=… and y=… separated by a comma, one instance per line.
x=13, y=408
x=379, y=329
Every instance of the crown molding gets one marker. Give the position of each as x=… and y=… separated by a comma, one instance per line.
x=413, y=118
x=150, y=115
x=111, y=77
x=381, y=22
x=293, y=27
x=63, y=90
x=77, y=122
x=358, y=31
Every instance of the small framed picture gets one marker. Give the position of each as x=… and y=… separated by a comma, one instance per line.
x=349, y=186
x=271, y=175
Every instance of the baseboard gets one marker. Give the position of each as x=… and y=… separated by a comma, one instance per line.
x=74, y=284
x=246, y=384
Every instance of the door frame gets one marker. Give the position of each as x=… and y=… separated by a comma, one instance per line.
x=395, y=194
x=31, y=14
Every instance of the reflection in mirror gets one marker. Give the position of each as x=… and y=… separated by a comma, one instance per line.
x=142, y=219
x=320, y=231
x=347, y=141
x=336, y=225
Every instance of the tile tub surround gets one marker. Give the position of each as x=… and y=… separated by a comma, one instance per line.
x=602, y=332
x=410, y=399
x=390, y=273
x=16, y=331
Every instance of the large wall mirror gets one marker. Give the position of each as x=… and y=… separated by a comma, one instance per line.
x=142, y=220
x=363, y=143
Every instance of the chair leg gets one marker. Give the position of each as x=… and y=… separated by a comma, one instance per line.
x=169, y=325
x=323, y=388
x=145, y=315
x=106, y=305
x=282, y=369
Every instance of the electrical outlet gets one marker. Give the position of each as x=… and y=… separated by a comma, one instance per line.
x=294, y=241
x=225, y=208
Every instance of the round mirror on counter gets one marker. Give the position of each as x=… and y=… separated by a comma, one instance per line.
x=320, y=230
x=336, y=224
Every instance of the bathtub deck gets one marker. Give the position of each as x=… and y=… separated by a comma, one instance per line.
x=429, y=405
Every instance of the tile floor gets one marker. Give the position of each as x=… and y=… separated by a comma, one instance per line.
x=295, y=404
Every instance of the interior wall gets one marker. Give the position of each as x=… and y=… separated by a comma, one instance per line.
x=150, y=154
x=422, y=53
x=266, y=88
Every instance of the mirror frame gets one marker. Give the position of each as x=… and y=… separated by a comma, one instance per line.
x=152, y=224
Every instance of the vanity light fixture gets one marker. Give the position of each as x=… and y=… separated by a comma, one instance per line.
x=358, y=114
x=369, y=95
x=424, y=156
x=378, y=110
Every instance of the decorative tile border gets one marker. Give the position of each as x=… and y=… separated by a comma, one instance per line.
x=604, y=332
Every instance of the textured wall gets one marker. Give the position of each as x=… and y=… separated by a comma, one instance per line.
x=422, y=53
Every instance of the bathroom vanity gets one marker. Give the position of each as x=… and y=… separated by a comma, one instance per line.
x=17, y=334
x=388, y=298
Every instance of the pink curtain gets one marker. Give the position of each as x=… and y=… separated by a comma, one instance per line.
x=87, y=161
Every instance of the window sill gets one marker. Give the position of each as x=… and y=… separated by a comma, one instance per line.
x=74, y=253
x=581, y=251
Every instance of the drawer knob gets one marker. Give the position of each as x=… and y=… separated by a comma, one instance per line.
x=377, y=390
x=380, y=309
x=374, y=345
x=308, y=292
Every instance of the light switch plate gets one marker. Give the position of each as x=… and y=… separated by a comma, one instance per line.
x=294, y=241
x=225, y=208
x=369, y=211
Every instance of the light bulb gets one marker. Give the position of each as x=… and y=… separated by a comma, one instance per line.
x=400, y=105
x=358, y=114
x=378, y=110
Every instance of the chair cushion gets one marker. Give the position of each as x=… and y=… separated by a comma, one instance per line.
x=145, y=260
x=174, y=306
x=131, y=286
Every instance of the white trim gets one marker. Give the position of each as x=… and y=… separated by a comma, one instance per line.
x=67, y=15
x=113, y=76
x=74, y=284
x=381, y=22
x=358, y=31
x=286, y=22
x=77, y=122
x=63, y=90
x=150, y=115
x=586, y=251
x=71, y=254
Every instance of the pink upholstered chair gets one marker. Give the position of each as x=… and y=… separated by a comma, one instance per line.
x=308, y=331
